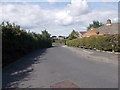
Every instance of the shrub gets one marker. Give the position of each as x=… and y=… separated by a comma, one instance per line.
x=106, y=42
x=17, y=43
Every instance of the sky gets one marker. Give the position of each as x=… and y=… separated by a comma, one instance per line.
x=58, y=18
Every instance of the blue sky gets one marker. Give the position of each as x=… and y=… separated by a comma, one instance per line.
x=59, y=18
x=92, y=5
x=103, y=5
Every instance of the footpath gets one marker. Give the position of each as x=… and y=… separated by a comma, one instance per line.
x=96, y=55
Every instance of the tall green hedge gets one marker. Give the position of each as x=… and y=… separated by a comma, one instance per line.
x=105, y=43
x=17, y=42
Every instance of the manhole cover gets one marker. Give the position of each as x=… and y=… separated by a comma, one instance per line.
x=64, y=84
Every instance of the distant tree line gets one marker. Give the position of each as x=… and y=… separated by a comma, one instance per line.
x=17, y=42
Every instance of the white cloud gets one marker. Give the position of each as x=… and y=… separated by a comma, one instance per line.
x=63, y=18
x=56, y=0
x=27, y=15
x=57, y=21
x=77, y=7
x=52, y=1
x=116, y=19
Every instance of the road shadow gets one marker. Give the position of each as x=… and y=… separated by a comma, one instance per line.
x=18, y=70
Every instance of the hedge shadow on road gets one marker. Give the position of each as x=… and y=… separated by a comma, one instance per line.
x=18, y=70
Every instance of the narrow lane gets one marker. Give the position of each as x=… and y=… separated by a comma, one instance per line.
x=41, y=69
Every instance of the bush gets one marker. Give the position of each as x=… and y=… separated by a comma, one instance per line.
x=106, y=42
x=17, y=43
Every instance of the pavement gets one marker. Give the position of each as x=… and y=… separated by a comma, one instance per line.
x=105, y=57
x=48, y=67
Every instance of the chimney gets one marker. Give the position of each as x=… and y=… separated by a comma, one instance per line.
x=108, y=22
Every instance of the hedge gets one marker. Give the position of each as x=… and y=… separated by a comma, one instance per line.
x=105, y=42
x=17, y=42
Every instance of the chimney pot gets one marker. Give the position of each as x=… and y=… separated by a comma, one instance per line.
x=108, y=22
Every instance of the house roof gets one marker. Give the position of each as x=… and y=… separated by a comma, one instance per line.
x=91, y=32
x=82, y=33
x=111, y=29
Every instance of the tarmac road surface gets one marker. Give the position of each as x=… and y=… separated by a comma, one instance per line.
x=45, y=67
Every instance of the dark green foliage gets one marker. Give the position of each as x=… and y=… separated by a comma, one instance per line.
x=106, y=43
x=63, y=42
x=45, y=34
x=17, y=43
x=73, y=35
x=95, y=24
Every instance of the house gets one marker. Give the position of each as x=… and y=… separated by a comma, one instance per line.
x=81, y=34
x=107, y=29
x=91, y=32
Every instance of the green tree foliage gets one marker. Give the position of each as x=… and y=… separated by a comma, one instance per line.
x=45, y=35
x=74, y=34
x=17, y=42
x=95, y=24
x=105, y=43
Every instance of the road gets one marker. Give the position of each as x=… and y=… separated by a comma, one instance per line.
x=45, y=67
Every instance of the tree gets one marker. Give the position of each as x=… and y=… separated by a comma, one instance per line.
x=95, y=24
x=45, y=34
x=74, y=34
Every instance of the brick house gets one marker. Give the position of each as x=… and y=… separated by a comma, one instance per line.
x=91, y=32
x=107, y=29
x=81, y=34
